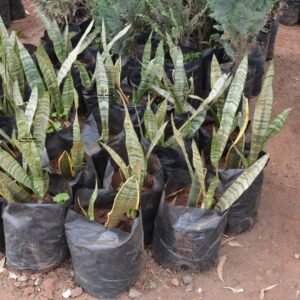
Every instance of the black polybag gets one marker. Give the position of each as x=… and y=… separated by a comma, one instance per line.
x=290, y=14
x=105, y=261
x=7, y=124
x=256, y=71
x=116, y=112
x=242, y=214
x=187, y=238
x=273, y=35
x=4, y=12
x=16, y=9
x=34, y=233
x=149, y=198
x=2, y=240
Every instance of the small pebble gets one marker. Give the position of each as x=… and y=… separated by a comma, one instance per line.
x=187, y=279
x=76, y=292
x=133, y=293
x=22, y=278
x=189, y=288
x=38, y=281
x=175, y=281
x=153, y=285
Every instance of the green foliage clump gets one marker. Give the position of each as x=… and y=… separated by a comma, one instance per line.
x=239, y=22
x=59, y=9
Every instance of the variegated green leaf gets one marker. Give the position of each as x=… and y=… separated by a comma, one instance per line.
x=103, y=96
x=181, y=144
x=195, y=191
x=231, y=104
x=276, y=126
x=55, y=36
x=91, y=212
x=160, y=60
x=127, y=198
x=161, y=112
x=11, y=191
x=215, y=150
x=118, y=160
x=89, y=39
x=150, y=123
x=32, y=74
x=198, y=166
x=233, y=157
x=146, y=55
x=180, y=84
x=215, y=72
x=41, y=120
x=158, y=135
x=31, y=107
x=190, y=127
x=243, y=124
x=118, y=36
x=209, y=199
x=241, y=184
x=146, y=82
x=65, y=165
x=67, y=64
x=77, y=151
x=134, y=150
x=84, y=75
x=49, y=74
x=67, y=95
x=262, y=115
x=11, y=166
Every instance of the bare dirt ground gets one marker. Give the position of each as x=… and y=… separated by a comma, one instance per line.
x=270, y=253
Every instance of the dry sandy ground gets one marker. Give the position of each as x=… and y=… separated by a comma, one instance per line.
x=269, y=252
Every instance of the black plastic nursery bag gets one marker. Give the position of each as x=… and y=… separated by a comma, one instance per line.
x=187, y=238
x=274, y=31
x=4, y=12
x=34, y=236
x=16, y=9
x=2, y=240
x=106, y=261
x=242, y=214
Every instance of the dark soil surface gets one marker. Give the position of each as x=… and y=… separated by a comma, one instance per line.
x=266, y=256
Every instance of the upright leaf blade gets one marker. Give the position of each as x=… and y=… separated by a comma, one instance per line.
x=127, y=198
x=231, y=104
x=262, y=115
x=103, y=96
x=241, y=184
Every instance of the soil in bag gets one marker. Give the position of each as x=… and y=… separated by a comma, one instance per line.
x=34, y=233
x=16, y=9
x=242, y=214
x=186, y=238
x=106, y=262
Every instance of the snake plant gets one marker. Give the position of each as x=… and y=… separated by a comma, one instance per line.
x=136, y=155
x=19, y=180
x=235, y=114
x=200, y=194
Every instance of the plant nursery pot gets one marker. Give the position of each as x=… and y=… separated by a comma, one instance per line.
x=4, y=12
x=106, y=262
x=256, y=71
x=273, y=35
x=34, y=236
x=187, y=238
x=242, y=214
x=2, y=239
x=16, y=9
x=290, y=13
x=116, y=112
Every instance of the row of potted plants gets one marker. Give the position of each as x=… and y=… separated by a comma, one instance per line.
x=94, y=165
